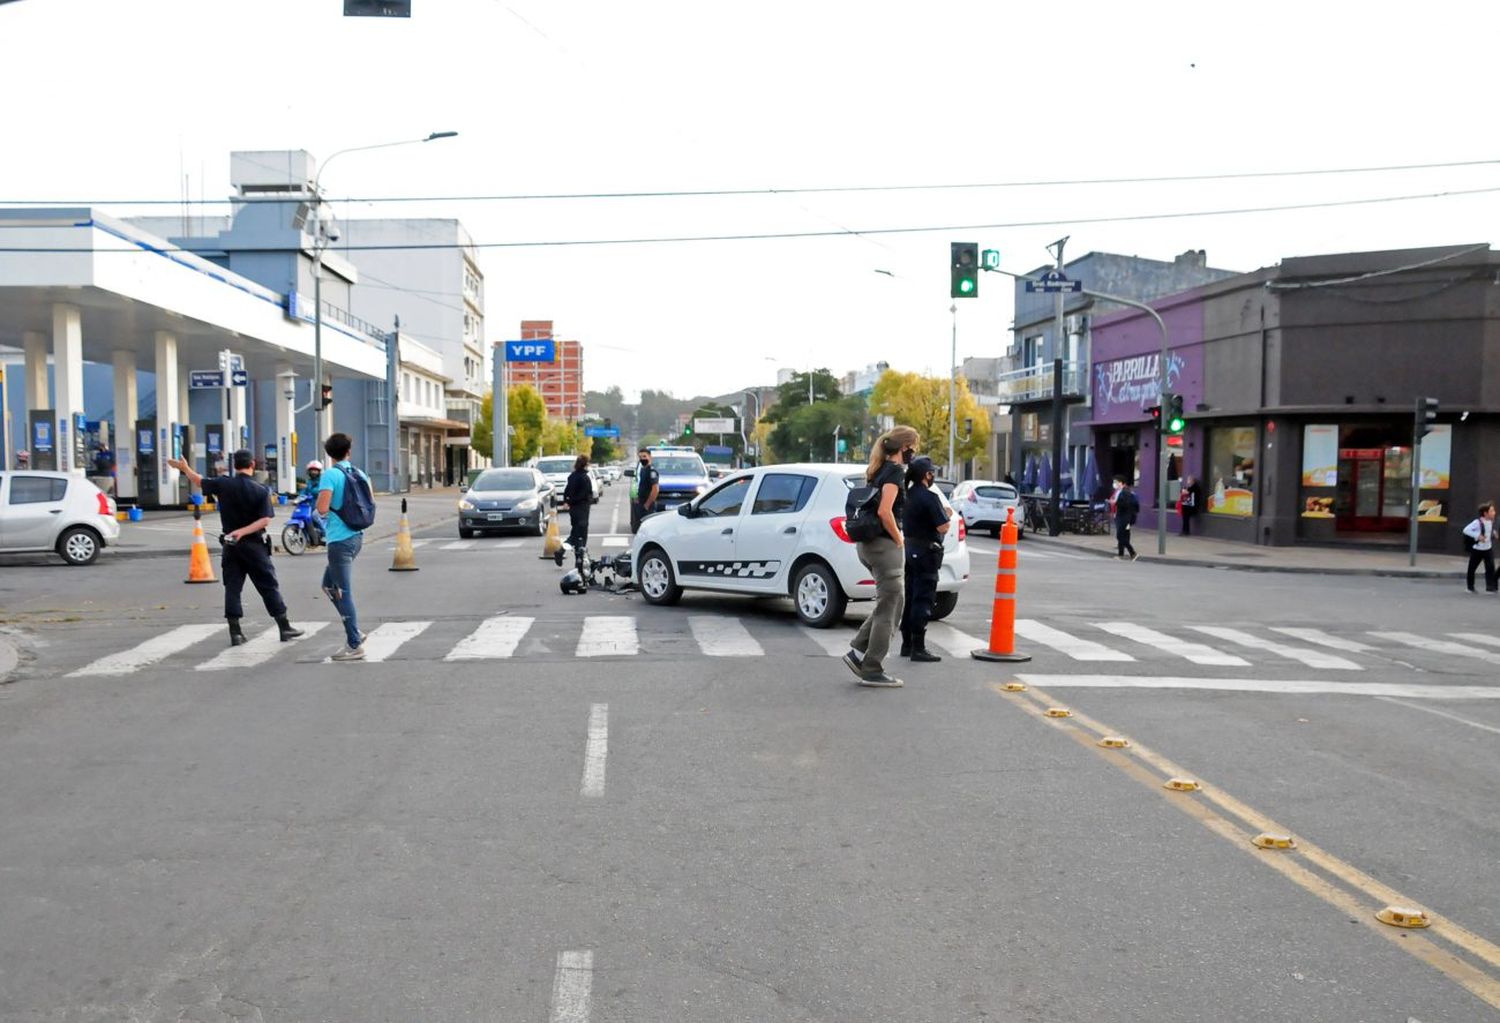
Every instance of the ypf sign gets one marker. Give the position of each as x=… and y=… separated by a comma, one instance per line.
x=542, y=350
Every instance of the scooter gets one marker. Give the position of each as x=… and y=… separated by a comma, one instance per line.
x=301, y=530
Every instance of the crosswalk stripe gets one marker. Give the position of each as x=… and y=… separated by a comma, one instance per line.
x=1198, y=653
x=1301, y=687
x=1311, y=658
x=1476, y=637
x=388, y=638
x=1440, y=646
x=420, y=543
x=953, y=641
x=608, y=636
x=1322, y=638
x=496, y=637
x=1075, y=647
x=152, y=650
x=835, y=642
x=259, y=650
x=458, y=545
x=723, y=637
x=616, y=541
x=509, y=545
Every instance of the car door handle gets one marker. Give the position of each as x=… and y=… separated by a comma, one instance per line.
x=789, y=530
x=55, y=511
x=725, y=532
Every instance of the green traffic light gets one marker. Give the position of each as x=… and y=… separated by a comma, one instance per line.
x=966, y=285
x=1176, y=425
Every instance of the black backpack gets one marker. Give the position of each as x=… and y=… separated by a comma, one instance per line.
x=862, y=514
x=357, y=510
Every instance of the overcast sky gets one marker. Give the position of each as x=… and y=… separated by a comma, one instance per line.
x=111, y=100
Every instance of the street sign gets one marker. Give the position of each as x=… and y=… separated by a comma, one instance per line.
x=601, y=431
x=705, y=424
x=712, y=452
x=542, y=350
x=1052, y=282
x=990, y=259
x=205, y=379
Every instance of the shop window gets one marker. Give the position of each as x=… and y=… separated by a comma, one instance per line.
x=1231, y=471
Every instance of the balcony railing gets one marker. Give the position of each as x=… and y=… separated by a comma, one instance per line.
x=1036, y=382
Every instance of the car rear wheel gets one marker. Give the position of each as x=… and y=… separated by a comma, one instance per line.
x=78, y=546
x=655, y=578
x=944, y=605
x=819, y=598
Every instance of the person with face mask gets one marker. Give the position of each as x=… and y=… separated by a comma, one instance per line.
x=644, y=490
x=924, y=525
x=1126, y=508
x=884, y=558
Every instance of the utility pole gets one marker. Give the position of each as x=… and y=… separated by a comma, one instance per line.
x=1059, y=344
x=953, y=391
x=499, y=411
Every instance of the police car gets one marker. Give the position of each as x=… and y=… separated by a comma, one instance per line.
x=681, y=476
x=774, y=531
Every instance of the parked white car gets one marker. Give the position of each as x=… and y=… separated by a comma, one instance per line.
x=557, y=469
x=776, y=530
x=55, y=511
x=983, y=504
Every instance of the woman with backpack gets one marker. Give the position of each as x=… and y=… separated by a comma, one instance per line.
x=884, y=555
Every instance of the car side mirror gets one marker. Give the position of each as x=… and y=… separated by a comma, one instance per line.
x=687, y=511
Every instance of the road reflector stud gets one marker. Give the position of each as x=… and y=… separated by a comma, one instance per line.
x=1404, y=916
x=1182, y=785
x=1014, y=687
x=1266, y=840
x=1114, y=742
x=1059, y=712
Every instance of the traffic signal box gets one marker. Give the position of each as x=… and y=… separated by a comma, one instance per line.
x=1155, y=413
x=1175, y=422
x=325, y=396
x=1427, y=413
x=964, y=270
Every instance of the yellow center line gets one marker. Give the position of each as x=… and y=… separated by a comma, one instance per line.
x=1473, y=979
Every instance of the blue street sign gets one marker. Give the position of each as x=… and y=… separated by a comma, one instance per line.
x=1052, y=282
x=198, y=379
x=601, y=431
x=542, y=350
x=238, y=378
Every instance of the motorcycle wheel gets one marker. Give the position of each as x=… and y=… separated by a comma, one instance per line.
x=293, y=540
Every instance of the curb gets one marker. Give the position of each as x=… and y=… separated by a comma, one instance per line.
x=156, y=553
x=1393, y=573
x=10, y=657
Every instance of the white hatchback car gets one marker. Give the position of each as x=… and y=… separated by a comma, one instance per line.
x=983, y=504
x=774, y=531
x=55, y=511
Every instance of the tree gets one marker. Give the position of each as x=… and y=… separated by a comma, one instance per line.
x=603, y=450
x=807, y=433
x=922, y=403
x=560, y=437
x=525, y=411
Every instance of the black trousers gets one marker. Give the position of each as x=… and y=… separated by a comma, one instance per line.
x=578, y=526
x=1487, y=559
x=636, y=514
x=921, y=593
x=250, y=559
x=1122, y=537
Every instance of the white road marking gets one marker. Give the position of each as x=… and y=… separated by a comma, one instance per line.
x=258, y=650
x=595, y=751
x=1311, y=658
x=509, y=545
x=1073, y=646
x=1321, y=638
x=1441, y=714
x=1440, y=646
x=955, y=642
x=387, y=639
x=616, y=541
x=572, y=988
x=152, y=650
x=1198, y=653
x=614, y=516
x=835, y=642
x=1476, y=637
x=458, y=545
x=420, y=543
x=723, y=637
x=608, y=636
x=1297, y=687
x=496, y=637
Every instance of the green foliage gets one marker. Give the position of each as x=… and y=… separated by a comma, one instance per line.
x=560, y=437
x=525, y=411
x=921, y=402
x=805, y=433
x=603, y=450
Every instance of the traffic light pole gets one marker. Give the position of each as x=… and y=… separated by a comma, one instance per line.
x=1059, y=343
x=1417, y=430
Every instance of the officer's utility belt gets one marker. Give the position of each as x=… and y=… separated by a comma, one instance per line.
x=259, y=536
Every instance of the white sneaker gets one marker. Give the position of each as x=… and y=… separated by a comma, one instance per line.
x=351, y=653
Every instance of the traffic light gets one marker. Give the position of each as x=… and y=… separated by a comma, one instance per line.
x=1155, y=413
x=964, y=270
x=687, y=431
x=1427, y=410
x=1176, y=422
x=325, y=396
x=377, y=8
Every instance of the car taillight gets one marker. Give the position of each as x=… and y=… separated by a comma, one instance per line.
x=838, y=529
x=963, y=529
x=104, y=505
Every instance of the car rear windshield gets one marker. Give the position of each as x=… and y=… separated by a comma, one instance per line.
x=556, y=465
x=996, y=493
x=504, y=479
x=676, y=465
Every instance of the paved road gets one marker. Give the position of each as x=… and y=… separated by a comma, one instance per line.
x=534, y=807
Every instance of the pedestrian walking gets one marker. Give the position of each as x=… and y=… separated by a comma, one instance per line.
x=884, y=557
x=578, y=498
x=1479, y=538
x=645, y=488
x=348, y=509
x=244, y=513
x=1127, y=508
x=923, y=526
x=1188, y=503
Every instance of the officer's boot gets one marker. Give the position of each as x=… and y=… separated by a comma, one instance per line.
x=905, y=644
x=287, y=632
x=919, y=652
x=236, y=636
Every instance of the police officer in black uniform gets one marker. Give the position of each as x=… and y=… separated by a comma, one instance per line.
x=644, y=490
x=923, y=524
x=244, y=513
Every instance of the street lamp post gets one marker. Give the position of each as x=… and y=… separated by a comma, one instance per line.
x=745, y=434
x=321, y=239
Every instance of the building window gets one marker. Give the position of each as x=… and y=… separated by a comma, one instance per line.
x=1031, y=351
x=1231, y=471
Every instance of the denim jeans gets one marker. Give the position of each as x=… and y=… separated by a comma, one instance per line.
x=339, y=575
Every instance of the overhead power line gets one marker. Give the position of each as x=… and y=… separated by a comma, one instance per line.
x=840, y=233
x=811, y=190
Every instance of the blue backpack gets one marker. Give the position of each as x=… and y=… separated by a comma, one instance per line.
x=357, y=510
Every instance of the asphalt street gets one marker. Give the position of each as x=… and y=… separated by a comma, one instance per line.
x=531, y=807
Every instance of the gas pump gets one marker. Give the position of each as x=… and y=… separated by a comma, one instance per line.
x=182, y=440
x=81, y=461
x=145, y=460
x=41, y=429
x=213, y=448
x=271, y=464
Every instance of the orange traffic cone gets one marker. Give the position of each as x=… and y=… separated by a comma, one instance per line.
x=200, y=569
x=1003, y=618
x=406, y=558
x=553, y=542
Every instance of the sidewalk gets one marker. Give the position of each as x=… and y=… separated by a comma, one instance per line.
x=1205, y=553
x=169, y=534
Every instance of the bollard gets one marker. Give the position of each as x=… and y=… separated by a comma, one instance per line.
x=553, y=543
x=406, y=558
x=1003, y=618
x=200, y=568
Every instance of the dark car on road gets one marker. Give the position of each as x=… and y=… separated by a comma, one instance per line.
x=502, y=499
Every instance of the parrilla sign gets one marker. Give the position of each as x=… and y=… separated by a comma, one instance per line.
x=1125, y=388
